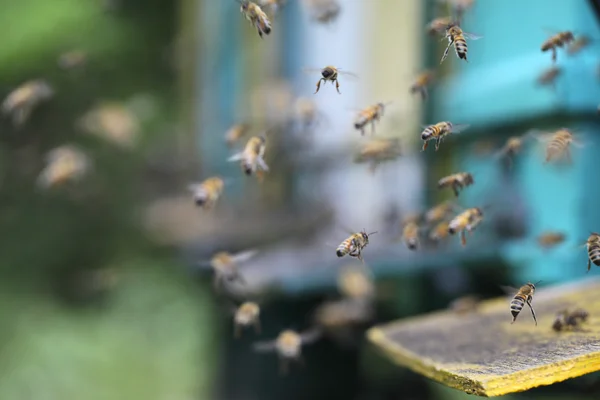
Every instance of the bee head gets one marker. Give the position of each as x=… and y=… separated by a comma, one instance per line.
x=366, y=235
x=451, y=230
x=327, y=72
x=426, y=135
x=243, y=5
x=200, y=200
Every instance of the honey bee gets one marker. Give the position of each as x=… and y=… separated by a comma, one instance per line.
x=512, y=148
x=377, y=151
x=21, y=101
x=410, y=235
x=246, y=314
x=252, y=157
x=569, y=320
x=355, y=283
x=306, y=113
x=338, y=318
x=457, y=37
x=420, y=84
x=323, y=11
x=439, y=212
x=288, y=346
x=548, y=240
x=207, y=193
x=256, y=16
x=439, y=131
x=558, y=40
x=354, y=245
x=225, y=266
x=113, y=122
x=235, y=133
x=370, y=115
x=72, y=59
x=456, y=181
x=548, y=77
x=593, y=249
x=558, y=145
x=578, y=44
x=438, y=25
x=465, y=221
x=63, y=164
x=523, y=296
x=330, y=74
x=465, y=304
x=439, y=232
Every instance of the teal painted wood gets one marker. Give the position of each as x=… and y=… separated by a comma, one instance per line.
x=498, y=84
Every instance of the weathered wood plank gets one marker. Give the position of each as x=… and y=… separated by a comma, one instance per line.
x=481, y=353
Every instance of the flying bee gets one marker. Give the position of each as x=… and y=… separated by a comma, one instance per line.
x=410, y=235
x=465, y=221
x=330, y=74
x=63, y=164
x=354, y=245
x=72, y=59
x=323, y=11
x=377, y=151
x=235, y=133
x=439, y=131
x=439, y=232
x=246, y=314
x=558, y=40
x=465, y=304
x=226, y=266
x=438, y=25
x=355, y=283
x=256, y=16
x=421, y=82
x=567, y=320
x=207, y=193
x=513, y=146
x=558, y=145
x=593, y=249
x=523, y=296
x=578, y=44
x=548, y=240
x=113, y=122
x=288, y=346
x=252, y=157
x=369, y=115
x=549, y=76
x=306, y=113
x=439, y=212
x=457, y=37
x=21, y=101
x=456, y=181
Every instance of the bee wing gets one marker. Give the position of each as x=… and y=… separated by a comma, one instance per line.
x=311, y=335
x=262, y=164
x=263, y=346
x=192, y=187
x=236, y=157
x=457, y=128
x=204, y=264
x=509, y=290
x=348, y=74
x=244, y=256
x=311, y=70
x=472, y=36
x=540, y=135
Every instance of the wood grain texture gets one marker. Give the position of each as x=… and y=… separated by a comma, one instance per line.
x=481, y=353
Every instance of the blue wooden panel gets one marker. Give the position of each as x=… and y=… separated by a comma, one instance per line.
x=498, y=84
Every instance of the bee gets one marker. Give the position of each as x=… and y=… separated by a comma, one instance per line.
x=456, y=181
x=323, y=11
x=370, y=115
x=558, y=145
x=355, y=283
x=593, y=249
x=338, y=318
x=288, y=346
x=410, y=235
x=207, y=193
x=235, y=133
x=246, y=314
x=113, y=122
x=439, y=212
x=330, y=73
x=225, y=266
x=465, y=221
x=566, y=319
x=439, y=232
x=558, y=40
x=512, y=148
x=354, y=245
x=465, y=304
x=252, y=157
x=63, y=164
x=457, y=37
x=420, y=84
x=523, y=296
x=256, y=16
x=438, y=25
x=578, y=44
x=548, y=77
x=439, y=131
x=550, y=239
x=21, y=101
x=377, y=151
x=72, y=59
x=306, y=113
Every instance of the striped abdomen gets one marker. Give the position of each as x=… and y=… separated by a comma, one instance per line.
x=516, y=305
x=431, y=132
x=344, y=248
x=557, y=146
x=460, y=45
x=594, y=253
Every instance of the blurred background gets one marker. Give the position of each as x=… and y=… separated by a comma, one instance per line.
x=111, y=108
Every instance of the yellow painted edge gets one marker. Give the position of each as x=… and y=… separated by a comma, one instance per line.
x=496, y=386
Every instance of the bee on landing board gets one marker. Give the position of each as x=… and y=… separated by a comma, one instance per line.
x=63, y=164
x=354, y=245
x=235, y=133
x=369, y=115
x=207, y=193
x=252, y=157
x=468, y=220
x=524, y=296
x=456, y=181
x=457, y=38
x=569, y=320
x=330, y=74
x=558, y=145
x=288, y=346
x=256, y=16
x=226, y=266
x=20, y=102
x=558, y=40
x=422, y=81
x=377, y=151
x=513, y=146
x=439, y=131
x=593, y=249
x=247, y=314
x=547, y=240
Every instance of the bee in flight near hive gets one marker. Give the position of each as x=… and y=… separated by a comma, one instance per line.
x=457, y=37
x=468, y=220
x=21, y=101
x=578, y=44
x=513, y=146
x=549, y=76
x=323, y=11
x=558, y=40
x=524, y=296
x=356, y=283
x=64, y=163
x=456, y=181
x=377, y=151
x=369, y=115
x=547, y=240
x=439, y=131
x=207, y=193
x=235, y=133
x=593, y=249
x=113, y=122
x=354, y=245
x=247, y=314
x=422, y=81
x=558, y=144
x=438, y=25
x=306, y=113
x=439, y=212
x=256, y=16
x=330, y=74
x=439, y=232
x=288, y=346
x=410, y=235
x=252, y=157
x=225, y=266
x=569, y=320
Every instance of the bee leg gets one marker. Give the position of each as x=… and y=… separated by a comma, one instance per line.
x=455, y=189
x=532, y=312
x=463, y=238
x=337, y=86
x=554, y=54
x=424, y=94
x=447, y=50
x=425, y=144
x=318, y=85
x=589, y=265
x=437, y=144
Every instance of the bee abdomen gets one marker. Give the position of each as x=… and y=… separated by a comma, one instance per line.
x=460, y=46
x=412, y=244
x=516, y=305
x=594, y=254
